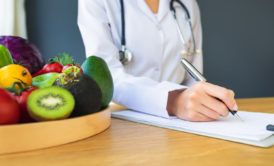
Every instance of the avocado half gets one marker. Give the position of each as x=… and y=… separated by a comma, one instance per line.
x=87, y=95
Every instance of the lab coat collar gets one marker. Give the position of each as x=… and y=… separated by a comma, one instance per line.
x=162, y=12
x=163, y=9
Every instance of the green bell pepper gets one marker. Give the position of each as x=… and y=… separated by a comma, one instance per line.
x=5, y=56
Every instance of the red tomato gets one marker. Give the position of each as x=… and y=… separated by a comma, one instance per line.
x=9, y=108
x=53, y=67
x=22, y=101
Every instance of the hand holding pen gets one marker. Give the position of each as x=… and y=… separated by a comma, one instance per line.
x=203, y=101
x=199, y=77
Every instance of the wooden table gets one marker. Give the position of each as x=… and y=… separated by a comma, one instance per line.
x=127, y=143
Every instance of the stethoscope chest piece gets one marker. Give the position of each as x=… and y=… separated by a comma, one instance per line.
x=125, y=56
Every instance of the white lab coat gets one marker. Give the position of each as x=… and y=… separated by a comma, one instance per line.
x=142, y=85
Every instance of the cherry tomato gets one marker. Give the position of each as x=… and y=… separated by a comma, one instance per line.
x=9, y=108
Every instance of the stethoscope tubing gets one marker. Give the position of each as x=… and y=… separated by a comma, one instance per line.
x=123, y=26
x=171, y=7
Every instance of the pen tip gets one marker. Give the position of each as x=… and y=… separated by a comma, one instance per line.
x=238, y=117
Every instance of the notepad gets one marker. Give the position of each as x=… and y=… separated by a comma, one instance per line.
x=252, y=131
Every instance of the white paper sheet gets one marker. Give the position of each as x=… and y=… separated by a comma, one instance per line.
x=251, y=131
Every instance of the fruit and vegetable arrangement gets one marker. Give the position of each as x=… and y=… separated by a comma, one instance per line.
x=32, y=90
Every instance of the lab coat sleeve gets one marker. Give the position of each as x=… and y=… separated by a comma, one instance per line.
x=137, y=93
x=197, y=60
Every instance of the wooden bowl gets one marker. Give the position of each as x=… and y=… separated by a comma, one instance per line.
x=25, y=137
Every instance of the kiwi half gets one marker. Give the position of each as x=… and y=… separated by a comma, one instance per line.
x=50, y=103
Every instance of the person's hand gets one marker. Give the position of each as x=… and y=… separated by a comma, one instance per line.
x=202, y=102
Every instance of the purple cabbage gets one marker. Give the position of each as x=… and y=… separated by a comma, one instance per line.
x=23, y=52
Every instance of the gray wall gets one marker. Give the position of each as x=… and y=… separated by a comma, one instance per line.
x=239, y=45
x=238, y=40
x=52, y=26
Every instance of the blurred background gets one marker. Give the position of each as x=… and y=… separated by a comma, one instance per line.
x=238, y=40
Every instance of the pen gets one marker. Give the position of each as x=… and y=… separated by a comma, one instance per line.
x=199, y=77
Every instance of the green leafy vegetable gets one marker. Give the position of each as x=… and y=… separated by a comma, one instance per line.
x=63, y=58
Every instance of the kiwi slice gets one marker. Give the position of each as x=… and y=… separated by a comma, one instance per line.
x=52, y=103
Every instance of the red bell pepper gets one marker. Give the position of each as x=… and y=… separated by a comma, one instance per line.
x=55, y=67
x=22, y=98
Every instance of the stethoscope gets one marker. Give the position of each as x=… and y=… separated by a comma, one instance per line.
x=126, y=56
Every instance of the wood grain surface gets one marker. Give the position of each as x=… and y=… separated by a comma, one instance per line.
x=127, y=143
x=33, y=136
